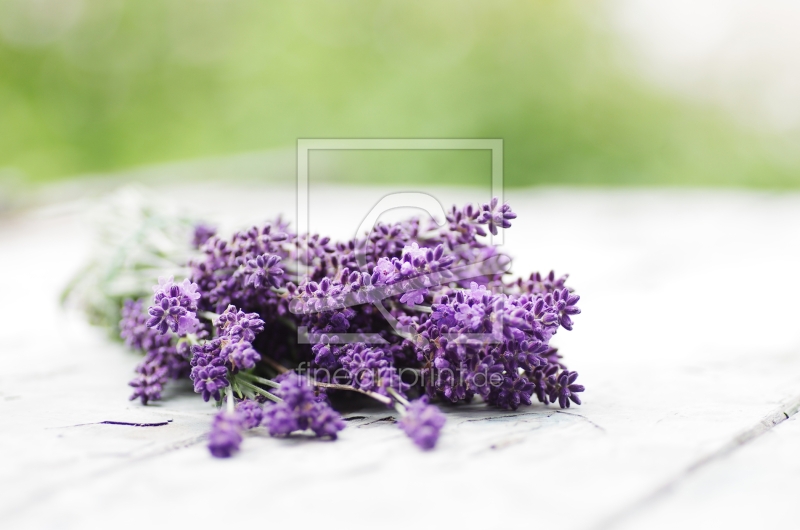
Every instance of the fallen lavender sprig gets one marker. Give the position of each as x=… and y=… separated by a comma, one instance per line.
x=408, y=315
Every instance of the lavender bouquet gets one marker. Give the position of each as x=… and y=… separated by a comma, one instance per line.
x=275, y=327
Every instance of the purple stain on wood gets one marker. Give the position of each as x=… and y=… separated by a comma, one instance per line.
x=125, y=423
x=109, y=422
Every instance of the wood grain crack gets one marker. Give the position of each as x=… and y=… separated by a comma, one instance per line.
x=788, y=409
x=46, y=492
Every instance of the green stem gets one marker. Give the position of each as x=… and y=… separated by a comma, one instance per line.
x=191, y=338
x=261, y=391
x=230, y=401
x=208, y=315
x=290, y=324
x=420, y=308
x=400, y=399
x=257, y=379
x=277, y=366
x=378, y=397
x=236, y=389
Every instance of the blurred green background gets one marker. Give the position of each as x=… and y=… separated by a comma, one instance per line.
x=94, y=86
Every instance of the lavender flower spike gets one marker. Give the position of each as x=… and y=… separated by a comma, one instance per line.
x=149, y=382
x=301, y=409
x=494, y=216
x=174, y=307
x=250, y=413
x=422, y=423
x=209, y=373
x=202, y=233
x=263, y=271
x=325, y=422
x=237, y=331
x=226, y=434
x=162, y=360
x=565, y=389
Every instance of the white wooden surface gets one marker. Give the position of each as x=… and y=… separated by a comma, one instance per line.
x=688, y=340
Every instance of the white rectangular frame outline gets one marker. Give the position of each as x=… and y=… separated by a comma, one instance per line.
x=305, y=145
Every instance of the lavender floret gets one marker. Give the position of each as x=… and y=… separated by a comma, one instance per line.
x=264, y=271
x=371, y=369
x=494, y=216
x=281, y=420
x=422, y=423
x=174, y=307
x=250, y=413
x=226, y=435
x=565, y=390
x=301, y=409
x=208, y=371
x=202, y=233
x=325, y=422
x=149, y=383
x=237, y=331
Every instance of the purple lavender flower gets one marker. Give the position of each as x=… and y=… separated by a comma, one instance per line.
x=133, y=326
x=470, y=316
x=384, y=272
x=371, y=369
x=150, y=381
x=238, y=325
x=223, y=271
x=296, y=391
x=414, y=297
x=389, y=240
x=515, y=390
x=263, y=271
x=541, y=379
x=208, y=370
x=250, y=413
x=226, y=434
x=237, y=331
x=162, y=359
x=245, y=278
x=137, y=336
x=241, y=355
x=174, y=307
x=457, y=367
x=325, y=422
x=281, y=420
x=301, y=409
x=230, y=350
x=565, y=390
x=564, y=303
x=326, y=356
x=202, y=233
x=494, y=216
x=422, y=423
x=537, y=283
